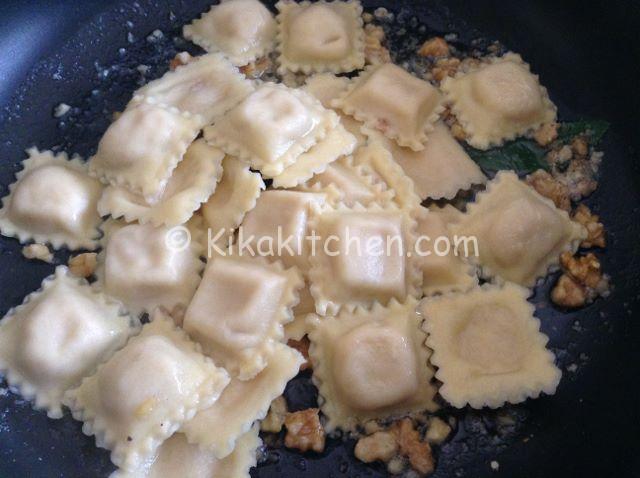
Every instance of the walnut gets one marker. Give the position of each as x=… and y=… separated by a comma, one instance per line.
x=568, y=293
x=585, y=269
x=274, y=420
x=435, y=47
x=438, y=431
x=380, y=446
x=549, y=187
x=180, y=59
x=445, y=67
x=301, y=346
x=38, y=251
x=374, y=52
x=582, y=282
x=256, y=69
x=595, y=229
x=580, y=147
x=304, y=431
x=83, y=265
x=418, y=451
x=546, y=134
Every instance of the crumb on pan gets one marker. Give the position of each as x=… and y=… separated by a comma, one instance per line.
x=83, y=265
x=38, y=251
x=274, y=421
x=304, y=430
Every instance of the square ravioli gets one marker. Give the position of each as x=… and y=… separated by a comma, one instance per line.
x=177, y=458
x=488, y=347
x=441, y=169
x=371, y=364
x=217, y=428
x=519, y=233
x=443, y=269
x=59, y=335
x=277, y=226
x=272, y=127
x=320, y=36
x=190, y=185
x=242, y=30
x=145, y=267
x=388, y=99
x=52, y=201
x=239, y=309
x=208, y=86
x=140, y=149
x=498, y=101
x=362, y=256
x=145, y=392
x=236, y=195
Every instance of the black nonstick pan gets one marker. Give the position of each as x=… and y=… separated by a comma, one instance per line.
x=92, y=54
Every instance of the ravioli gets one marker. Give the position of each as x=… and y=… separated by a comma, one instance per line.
x=218, y=427
x=519, y=233
x=52, y=201
x=140, y=149
x=145, y=392
x=390, y=100
x=139, y=266
x=364, y=257
x=498, y=101
x=239, y=309
x=190, y=185
x=488, y=347
x=59, y=335
x=242, y=30
x=272, y=127
x=320, y=36
x=371, y=364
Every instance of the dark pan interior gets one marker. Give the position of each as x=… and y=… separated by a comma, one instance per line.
x=587, y=55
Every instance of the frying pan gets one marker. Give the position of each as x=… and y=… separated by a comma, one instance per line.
x=88, y=54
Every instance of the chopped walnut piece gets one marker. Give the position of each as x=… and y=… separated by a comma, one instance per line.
x=438, y=431
x=445, y=67
x=458, y=132
x=418, y=451
x=380, y=446
x=549, y=187
x=372, y=426
x=304, y=431
x=180, y=59
x=579, y=146
x=256, y=69
x=546, y=134
x=591, y=222
x=83, y=265
x=582, y=282
x=374, y=52
x=435, y=47
x=301, y=346
x=38, y=251
x=274, y=420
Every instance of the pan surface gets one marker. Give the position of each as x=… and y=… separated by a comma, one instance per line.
x=93, y=54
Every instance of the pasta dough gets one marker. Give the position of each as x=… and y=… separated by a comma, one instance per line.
x=371, y=365
x=363, y=258
x=239, y=308
x=441, y=169
x=145, y=392
x=320, y=36
x=217, y=428
x=242, y=30
x=52, y=201
x=191, y=184
x=207, y=87
x=390, y=100
x=272, y=127
x=140, y=150
x=140, y=267
x=498, y=101
x=488, y=347
x=519, y=233
x=58, y=335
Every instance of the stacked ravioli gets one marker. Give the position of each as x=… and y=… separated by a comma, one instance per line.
x=176, y=189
